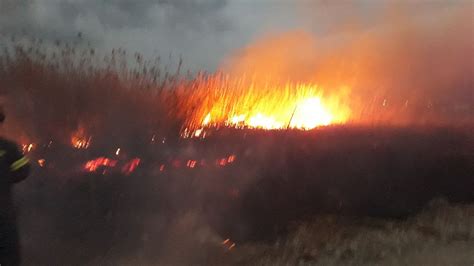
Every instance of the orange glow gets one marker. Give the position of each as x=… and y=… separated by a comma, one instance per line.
x=222, y=101
x=80, y=140
x=310, y=113
x=228, y=244
x=26, y=148
x=222, y=162
x=41, y=162
x=191, y=163
x=93, y=165
x=231, y=159
x=207, y=119
x=131, y=166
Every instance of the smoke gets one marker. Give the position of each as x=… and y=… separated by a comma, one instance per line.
x=410, y=66
x=385, y=55
x=182, y=28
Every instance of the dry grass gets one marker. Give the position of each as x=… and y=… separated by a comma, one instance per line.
x=442, y=234
x=52, y=91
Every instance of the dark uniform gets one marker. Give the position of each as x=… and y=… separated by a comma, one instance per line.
x=14, y=168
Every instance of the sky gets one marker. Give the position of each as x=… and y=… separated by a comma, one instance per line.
x=202, y=32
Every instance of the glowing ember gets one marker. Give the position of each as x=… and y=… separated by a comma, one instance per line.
x=241, y=104
x=80, y=143
x=130, y=166
x=199, y=163
x=103, y=162
x=231, y=159
x=26, y=148
x=191, y=163
x=94, y=165
x=228, y=244
x=225, y=161
x=80, y=140
x=221, y=162
x=41, y=162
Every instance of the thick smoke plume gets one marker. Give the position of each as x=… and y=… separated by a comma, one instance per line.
x=401, y=67
x=50, y=95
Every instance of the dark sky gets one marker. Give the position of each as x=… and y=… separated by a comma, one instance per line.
x=203, y=32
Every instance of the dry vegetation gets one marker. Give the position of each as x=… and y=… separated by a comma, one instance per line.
x=51, y=91
x=441, y=234
x=150, y=219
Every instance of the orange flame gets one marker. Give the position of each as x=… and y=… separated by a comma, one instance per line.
x=131, y=166
x=41, y=162
x=241, y=104
x=93, y=165
x=228, y=244
x=80, y=140
x=27, y=148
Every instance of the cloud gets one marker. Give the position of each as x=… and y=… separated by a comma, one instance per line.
x=203, y=32
x=146, y=26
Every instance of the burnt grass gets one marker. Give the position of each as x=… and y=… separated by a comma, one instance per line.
x=278, y=178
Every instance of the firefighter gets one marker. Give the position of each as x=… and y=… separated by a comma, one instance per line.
x=14, y=167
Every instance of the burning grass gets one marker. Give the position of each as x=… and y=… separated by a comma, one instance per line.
x=94, y=121
x=143, y=103
x=60, y=93
x=60, y=96
x=359, y=184
x=226, y=101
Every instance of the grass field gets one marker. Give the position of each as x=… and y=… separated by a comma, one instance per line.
x=441, y=234
x=366, y=192
x=336, y=195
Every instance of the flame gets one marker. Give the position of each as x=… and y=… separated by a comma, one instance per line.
x=27, y=148
x=207, y=119
x=131, y=166
x=228, y=244
x=310, y=113
x=224, y=101
x=80, y=140
x=231, y=159
x=94, y=165
x=191, y=163
x=98, y=163
x=41, y=162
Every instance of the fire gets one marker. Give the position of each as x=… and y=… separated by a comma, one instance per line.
x=228, y=244
x=129, y=167
x=41, y=162
x=223, y=101
x=191, y=163
x=311, y=113
x=27, y=148
x=80, y=140
x=94, y=165
x=104, y=162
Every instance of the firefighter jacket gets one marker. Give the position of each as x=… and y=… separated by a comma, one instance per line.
x=14, y=167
